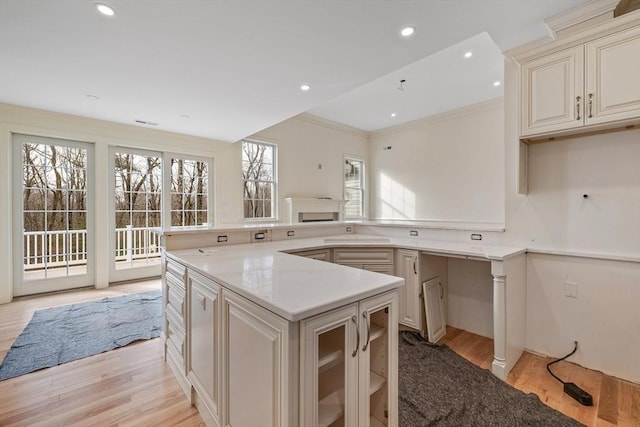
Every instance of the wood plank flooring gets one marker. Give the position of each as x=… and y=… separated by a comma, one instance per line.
x=615, y=402
x=132, y=386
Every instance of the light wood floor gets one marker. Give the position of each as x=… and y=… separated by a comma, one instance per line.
x=132, y=386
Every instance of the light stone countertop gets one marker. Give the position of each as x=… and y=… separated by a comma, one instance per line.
x=295, y=287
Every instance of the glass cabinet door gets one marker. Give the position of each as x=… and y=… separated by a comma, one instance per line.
x=378, y=361
x=329, y=360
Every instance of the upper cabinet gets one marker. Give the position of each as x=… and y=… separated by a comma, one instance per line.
x=588, y=86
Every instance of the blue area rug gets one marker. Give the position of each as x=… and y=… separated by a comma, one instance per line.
x=61, y=334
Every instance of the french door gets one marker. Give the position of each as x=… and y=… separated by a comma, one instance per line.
x=53, y=214
x=136, y=179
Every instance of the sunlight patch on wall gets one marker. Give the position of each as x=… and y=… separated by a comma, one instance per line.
x=396, y=201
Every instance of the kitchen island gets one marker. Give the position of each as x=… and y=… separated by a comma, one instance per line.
x=259, y=337
x=326, y=333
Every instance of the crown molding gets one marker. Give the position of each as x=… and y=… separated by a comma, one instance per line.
x=579, y=14
x=330, y=124
x=447, y=115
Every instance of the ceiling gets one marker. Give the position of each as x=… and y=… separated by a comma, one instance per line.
x=226, y=69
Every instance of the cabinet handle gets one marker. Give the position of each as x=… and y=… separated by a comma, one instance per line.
x=441, y=290
x=577, y=108
x=590, y=105
x=366, y=322
x=414, y=267
x=354, y=319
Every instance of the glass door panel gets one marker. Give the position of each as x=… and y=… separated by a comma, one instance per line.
x=137, y=209
x=52, y=230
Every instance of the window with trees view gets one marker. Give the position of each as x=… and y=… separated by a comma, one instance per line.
x=189, y=192
x=258, y=174
x=354, y=188
x=54, y=208
x=138, y=208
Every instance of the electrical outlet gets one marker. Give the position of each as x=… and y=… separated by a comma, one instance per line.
x=570, y=289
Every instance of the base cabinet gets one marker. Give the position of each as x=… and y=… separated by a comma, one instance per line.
x=348, y=365
x=242, y=365
x=204, y=337
x=408, y=267
x=259, y=363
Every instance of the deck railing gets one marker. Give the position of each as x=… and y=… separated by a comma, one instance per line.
x=60, y=248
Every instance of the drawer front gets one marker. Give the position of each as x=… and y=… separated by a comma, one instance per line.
x=175, y=269
x=365, y=256
x=175, y=299
x=175, y=338
x=380, y=268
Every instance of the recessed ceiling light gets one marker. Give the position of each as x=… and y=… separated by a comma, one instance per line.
x=184, y=116
x=496, y=83
x=93, y=97
x=407, y=31
x=104, y=9
x=305, y=87
x=468, y=54
x=393, y=114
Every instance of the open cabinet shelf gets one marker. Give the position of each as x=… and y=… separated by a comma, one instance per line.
x=331, y=408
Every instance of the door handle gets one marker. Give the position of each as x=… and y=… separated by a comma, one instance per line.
x=354, y=319
x=578, y=108
x=366, y=322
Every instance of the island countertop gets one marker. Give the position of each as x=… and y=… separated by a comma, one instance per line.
x=295, y=287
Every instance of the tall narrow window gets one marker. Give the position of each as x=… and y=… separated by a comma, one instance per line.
x=189, y=192
x=138, y=208
x=354, y=188
x=258, y=174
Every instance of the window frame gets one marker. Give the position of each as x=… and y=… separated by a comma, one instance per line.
x=273, y=182
x=167, y=178
x=362, y=187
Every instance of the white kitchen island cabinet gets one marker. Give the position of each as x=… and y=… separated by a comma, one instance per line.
x=252, y=357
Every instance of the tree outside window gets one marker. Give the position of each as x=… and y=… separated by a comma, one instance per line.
x=189, y=192
x=354, y=188
x=258, y=175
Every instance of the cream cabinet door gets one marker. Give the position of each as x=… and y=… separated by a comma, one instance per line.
x=257, y=362
x=204, y=340
x=408, y=267
x=612, y=77
x=434, y=309
x=378, y=361
x=329, y=349
x=552, y=92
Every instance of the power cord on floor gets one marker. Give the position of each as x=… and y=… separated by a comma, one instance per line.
x=572, y=389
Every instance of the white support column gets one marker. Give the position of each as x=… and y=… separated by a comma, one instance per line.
x=499, y=366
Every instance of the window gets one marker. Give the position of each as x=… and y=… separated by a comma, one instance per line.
x=354, y=188
x=138, y=208
x=189, y=192
x=258, y=175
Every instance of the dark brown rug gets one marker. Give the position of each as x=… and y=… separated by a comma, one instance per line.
x=438, y=387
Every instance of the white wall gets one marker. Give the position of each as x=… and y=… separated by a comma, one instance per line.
x=303, y=142
x=447, y=168
x=102, y=135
